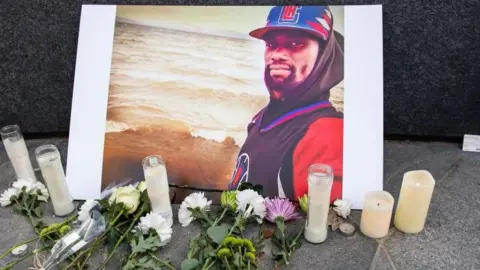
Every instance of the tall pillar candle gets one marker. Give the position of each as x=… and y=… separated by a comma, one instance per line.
x=376, y=214
x=158, y=190
x=17, y=152
x=414, y=201
x=320, y=179
x=50, y=163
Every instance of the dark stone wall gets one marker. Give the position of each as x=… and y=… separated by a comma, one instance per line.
x=431, y=63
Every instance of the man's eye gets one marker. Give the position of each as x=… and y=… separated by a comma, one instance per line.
x=297, y=44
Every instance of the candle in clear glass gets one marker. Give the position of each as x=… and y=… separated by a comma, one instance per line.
x=156, y=178
x=376, y=214
x=17, y=152
x=50, y=163
x=320, y=179
x=414, y=201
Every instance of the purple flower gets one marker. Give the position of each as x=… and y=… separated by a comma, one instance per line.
x=280, y=208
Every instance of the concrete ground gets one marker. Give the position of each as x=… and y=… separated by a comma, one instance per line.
x=450, y=240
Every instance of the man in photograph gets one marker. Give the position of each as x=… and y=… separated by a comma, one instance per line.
x=299, y=126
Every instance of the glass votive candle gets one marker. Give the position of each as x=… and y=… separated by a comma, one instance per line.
x=376, y=214
x=320, y=180
x=158, y=190
x=50, y=163
x=414, y=201
x=17, y=152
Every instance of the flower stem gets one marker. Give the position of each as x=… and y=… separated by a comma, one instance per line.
x=248, y=265
x=226, y=262
x=137, y=216
x=13, y=263
x=17, y=245
x=211, y=264
x=90, y=251
x=167, y=264
x=221, y=217
x=204, y=214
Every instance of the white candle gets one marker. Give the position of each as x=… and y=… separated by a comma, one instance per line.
x=50, y=163
x=320, y=179
x=157, y=186
x=17, y=152
x=414, y=201
x=376, y=214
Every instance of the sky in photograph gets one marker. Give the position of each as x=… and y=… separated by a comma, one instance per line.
x=207, y=19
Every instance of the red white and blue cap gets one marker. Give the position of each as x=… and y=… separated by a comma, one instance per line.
x=317, y=20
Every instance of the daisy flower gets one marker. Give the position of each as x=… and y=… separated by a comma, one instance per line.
x=44, y=195
x=21, y=183
x=7, y=195
x=342, y=207
x=279, y=208
x=158, y=223
x=251, y=203
x=195, y=200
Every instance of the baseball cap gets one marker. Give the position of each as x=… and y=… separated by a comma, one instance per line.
x=317, y=20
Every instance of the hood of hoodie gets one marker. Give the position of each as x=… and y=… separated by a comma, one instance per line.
x=327, y=72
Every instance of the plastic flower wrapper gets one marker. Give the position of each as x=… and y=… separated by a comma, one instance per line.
x=280, y=210
x=113, y=185
x=92, y=227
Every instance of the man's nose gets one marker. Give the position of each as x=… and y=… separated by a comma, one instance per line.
x=279, y=54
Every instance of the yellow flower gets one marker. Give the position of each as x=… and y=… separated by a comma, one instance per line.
x=224, y=252
x=128, y=195
x=303, y=203
x=229, y=199
x=142, y=186
x=250, y=256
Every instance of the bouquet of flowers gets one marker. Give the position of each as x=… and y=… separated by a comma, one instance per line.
x=124, y=218
x=222, y=245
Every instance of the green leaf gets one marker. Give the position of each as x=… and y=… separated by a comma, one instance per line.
x=18, y=209
x=190, y=264
x=217, y=233
x=151, y=243
x=245, y=185
x=258, y=189
x=38, y=212
x=280, y=224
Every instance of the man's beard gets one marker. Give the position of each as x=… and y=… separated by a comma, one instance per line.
x=283, y=86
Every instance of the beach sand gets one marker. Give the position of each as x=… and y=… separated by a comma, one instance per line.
x=191, y=161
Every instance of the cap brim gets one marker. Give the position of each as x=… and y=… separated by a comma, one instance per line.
x=260, y=32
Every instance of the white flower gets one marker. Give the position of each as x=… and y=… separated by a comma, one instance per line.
x=128, y=195
x=84, y=212
x=249, y=201
x=29, y=186
x=43, y=190
x=158, y=223
x=342, y=207
x=193, y=200
x=7, y=195
x=142, y=186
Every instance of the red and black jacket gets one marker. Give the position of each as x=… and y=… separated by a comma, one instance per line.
x=292, y=133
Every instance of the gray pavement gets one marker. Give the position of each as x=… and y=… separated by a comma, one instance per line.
x=450, y=240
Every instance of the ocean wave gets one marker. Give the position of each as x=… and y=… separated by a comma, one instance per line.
x=114, y=126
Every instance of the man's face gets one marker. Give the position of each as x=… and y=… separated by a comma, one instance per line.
x=289, y=58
